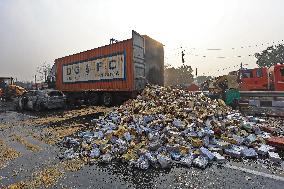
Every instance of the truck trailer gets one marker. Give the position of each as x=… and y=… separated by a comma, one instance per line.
x=116, y=71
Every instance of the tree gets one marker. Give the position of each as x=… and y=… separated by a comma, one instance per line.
x=200, y=79
x=178, y=76
x=270, y=56
x=43, y=71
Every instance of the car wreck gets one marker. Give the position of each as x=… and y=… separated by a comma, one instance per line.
x=41, y=99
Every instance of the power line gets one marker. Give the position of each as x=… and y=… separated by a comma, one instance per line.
x=233, y=48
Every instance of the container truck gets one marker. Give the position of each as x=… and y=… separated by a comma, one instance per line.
x=116, y=71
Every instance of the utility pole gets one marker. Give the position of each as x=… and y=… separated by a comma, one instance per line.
x=35, y=82
x=45, y=74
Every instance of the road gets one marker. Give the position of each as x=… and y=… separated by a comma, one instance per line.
x=38, y=165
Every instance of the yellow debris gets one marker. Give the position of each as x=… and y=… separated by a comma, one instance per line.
x=7, y=154
x=28, y=145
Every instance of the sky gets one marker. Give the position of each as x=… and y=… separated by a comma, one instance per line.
x=216, y=35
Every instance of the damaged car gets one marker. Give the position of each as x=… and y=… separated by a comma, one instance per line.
x=41, y=99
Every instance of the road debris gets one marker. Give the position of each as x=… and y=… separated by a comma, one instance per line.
x=264, y=149
x=276, y=141
x=63, y=116
x=87, y=144
x=165, y=126
x=274, y=157
x=219, y=158
x=7, y=154
x=73, y=165
x=28, y=145
x=52, y=135
x=46, y=177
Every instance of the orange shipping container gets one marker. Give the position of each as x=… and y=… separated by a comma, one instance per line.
x=118, y=67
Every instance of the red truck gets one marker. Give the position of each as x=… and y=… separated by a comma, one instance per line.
x=115, y=71
x=254, y=79
x=262, y=79
x=276, y=77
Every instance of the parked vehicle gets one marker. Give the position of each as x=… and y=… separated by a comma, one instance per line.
x=118, y=70
x=41, y=99
x=254, y=79
x=276, y=77
x=8, y=89
x=262, y=79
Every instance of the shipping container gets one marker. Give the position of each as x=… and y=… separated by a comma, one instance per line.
x=121, y=69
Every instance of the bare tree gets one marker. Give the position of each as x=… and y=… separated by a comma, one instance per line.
x=43, y=71
x=178, y=76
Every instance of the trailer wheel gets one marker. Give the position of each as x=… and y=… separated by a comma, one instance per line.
x=70, y=101
x=107, y=99
x=94, y=99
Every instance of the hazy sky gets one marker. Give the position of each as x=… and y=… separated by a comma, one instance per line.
x=37, y=31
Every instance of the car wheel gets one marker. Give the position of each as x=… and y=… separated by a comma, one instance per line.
x=37, y=107
x=107, y=99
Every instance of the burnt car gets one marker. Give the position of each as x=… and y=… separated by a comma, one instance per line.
x=41, y=99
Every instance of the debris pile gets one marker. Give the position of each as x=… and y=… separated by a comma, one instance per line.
x=7, y=154
x=165, y=126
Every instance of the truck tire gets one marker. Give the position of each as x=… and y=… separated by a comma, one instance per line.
x=93, y=99
x=107, y=99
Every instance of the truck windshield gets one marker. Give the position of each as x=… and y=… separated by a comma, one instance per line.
x=259, y=73
x=246, y=74
x=282, y=72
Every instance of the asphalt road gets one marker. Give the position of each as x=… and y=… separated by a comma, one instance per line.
x=234, y=174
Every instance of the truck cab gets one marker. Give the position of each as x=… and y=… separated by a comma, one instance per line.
x=5, y=82
x=276, y=77
x=253, y=79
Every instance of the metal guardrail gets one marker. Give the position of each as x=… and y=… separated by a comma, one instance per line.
x=254, y=93
x=262, y=93
x=256, y=102
x=273, y=99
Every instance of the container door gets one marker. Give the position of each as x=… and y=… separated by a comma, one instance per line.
x=279, y=78
x=139, y=61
